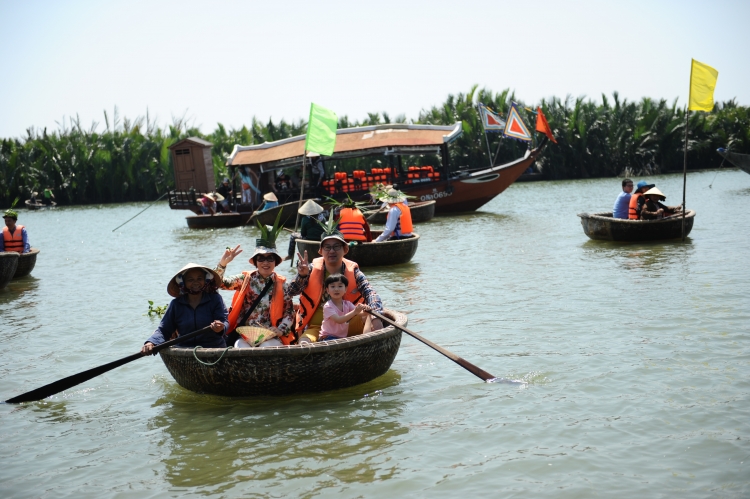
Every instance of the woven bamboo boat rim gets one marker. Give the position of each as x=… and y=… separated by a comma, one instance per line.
x=297, y=350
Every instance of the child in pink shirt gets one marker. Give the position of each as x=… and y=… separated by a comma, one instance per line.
x=337, y=312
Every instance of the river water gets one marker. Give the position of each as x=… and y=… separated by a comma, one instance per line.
x=634, y=361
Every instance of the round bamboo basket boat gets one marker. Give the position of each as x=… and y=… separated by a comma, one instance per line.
x=8, y=264
x=601, y=226
x=38, y=205
x=370, y=254
x=422, y=211
x=26, y=263
x=284, y=370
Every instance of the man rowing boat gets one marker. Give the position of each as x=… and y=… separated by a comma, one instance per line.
x=333, y=247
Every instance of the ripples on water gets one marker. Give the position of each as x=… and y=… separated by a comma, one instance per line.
x=633, y=360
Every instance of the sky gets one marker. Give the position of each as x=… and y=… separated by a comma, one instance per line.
x=229, y=61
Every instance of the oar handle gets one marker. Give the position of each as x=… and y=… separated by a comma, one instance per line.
x=179, y=339
x=480, y=373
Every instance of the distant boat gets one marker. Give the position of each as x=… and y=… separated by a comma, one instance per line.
x=603, y=227
x=39, y=205
x=454, y=188
x=372, y=254
x=741, y=161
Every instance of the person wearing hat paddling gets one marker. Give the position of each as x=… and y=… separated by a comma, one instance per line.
x=637, y=200
x=398, y=224
x=208, y=203
x=269, y=201
x=48, y=196
x=312, y=213
x=653, y=209
x=196, y=305
x=275, y=311
x=313, y=295
x=14, y=237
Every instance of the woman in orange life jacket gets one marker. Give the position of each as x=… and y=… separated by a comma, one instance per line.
x=637, y=200
x=14, y=237
x=352, y=223
x=275, y=311
x=398, y=224
x=313, y=296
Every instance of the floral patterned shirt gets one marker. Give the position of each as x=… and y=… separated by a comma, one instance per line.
x=262, y=313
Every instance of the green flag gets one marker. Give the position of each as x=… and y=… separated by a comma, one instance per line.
x=321, y=131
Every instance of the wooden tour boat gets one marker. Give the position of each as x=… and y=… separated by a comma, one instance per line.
x=218, y=221
x=26, y=263
x=741, y=161
x=38, y=205
x=370, y=254
x=283, y=370
x=8, y=265
x=453, y=189
x=603, y=227
x=422, y=211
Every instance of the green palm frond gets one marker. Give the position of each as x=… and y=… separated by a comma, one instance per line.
x=330, y=227
x=268, y=235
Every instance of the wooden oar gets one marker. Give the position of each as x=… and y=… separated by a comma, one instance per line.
x=455, y=358
x=380, y=210
x=76, y=379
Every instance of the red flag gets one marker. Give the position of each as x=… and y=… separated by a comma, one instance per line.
x=542, y=125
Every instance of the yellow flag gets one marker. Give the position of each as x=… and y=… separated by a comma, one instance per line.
x=702, y=84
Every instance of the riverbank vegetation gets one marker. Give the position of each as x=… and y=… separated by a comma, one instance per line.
x=128, y=160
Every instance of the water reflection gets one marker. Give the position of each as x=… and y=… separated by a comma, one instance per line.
x=216, y=441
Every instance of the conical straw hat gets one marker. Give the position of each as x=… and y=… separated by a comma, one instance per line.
x=310, y=208
x=655, y=191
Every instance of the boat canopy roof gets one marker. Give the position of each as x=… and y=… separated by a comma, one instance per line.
x=392, y=139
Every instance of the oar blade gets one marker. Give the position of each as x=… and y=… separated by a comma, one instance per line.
x=69, y=382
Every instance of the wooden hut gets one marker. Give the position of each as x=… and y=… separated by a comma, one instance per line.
x=193, y=172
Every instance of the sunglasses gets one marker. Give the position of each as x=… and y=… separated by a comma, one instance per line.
x=265, y=258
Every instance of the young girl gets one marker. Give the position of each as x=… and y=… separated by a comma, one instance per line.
x=337, y=312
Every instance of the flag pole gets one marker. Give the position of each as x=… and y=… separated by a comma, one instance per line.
x=487, y=141
x=301, y=188
x=299, y=205
x=684, y=171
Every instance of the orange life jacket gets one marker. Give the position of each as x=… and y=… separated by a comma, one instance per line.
x=352, y=224
x=13, y=242
x=309, y=300
x=633, y=212
x=404, y=221
x=276, y=306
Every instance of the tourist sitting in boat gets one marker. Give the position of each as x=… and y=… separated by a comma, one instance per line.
x=48, y=196
x=208, y=203
x=275, y=311
x=637, y=200
x=15, y=237
x=352, y=223
x=270, y=201
x=33, y=199
x=622, y=203
x=333, y=247
x=283, y=182
x=398, y=224
x=196, y=305
x=653, y=209
x=340, y=314
x=225, y=191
